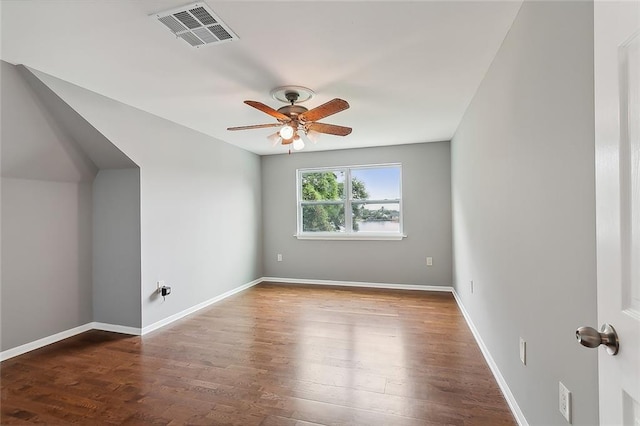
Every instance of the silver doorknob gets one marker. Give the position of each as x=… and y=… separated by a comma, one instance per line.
x=592, y=338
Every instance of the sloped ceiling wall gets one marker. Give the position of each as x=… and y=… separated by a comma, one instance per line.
x=34, y=144
x=200, y=198
x=97, y=148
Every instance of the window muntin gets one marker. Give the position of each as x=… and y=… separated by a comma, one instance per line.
x=370, y=194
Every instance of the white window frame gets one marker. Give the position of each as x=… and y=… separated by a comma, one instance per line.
x=348, y=202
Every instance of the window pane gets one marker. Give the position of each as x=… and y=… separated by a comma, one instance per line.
x=381, y=183
x=322, y=186
x=376, y=217
x=323, y=218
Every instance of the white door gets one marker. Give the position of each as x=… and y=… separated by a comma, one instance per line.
x=617, y=119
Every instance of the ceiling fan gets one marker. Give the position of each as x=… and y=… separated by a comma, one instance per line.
x=297, y=123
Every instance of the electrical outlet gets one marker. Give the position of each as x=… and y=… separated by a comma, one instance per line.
x=523, y=351
x=471, y=286
x=429, y=261
x=279, y=257
x=564, y=401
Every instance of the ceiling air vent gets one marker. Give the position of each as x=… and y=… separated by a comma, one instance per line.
x=196, y=24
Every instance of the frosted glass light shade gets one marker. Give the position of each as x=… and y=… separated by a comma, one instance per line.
x=275, y=138
x=313, y=136
x=298, y=144
x=304, y=137
x=286, y=132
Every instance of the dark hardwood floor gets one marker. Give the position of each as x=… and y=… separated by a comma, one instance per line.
x=271, y=355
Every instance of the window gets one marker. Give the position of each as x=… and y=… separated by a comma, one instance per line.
x=361, y=202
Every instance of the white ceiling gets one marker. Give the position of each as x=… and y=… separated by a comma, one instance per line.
x=408, y=69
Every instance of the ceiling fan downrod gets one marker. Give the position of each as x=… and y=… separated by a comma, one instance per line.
x=292, y=97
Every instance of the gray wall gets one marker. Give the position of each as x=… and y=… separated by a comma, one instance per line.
x=116, y=247
x=427, y=220
x=524, y=209
x=46, y=220
x=200, y=202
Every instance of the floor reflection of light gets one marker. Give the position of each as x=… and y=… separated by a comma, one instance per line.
x=349, y=349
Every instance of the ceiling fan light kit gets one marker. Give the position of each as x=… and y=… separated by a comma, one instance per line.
x=298, y=125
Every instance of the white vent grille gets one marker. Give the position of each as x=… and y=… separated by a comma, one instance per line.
x=196, y=24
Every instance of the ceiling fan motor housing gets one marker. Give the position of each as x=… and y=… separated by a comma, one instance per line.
x=292, y=110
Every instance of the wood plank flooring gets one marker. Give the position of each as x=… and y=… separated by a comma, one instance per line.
x=272, y=355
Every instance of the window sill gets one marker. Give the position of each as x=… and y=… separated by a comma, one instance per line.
x=352, y=237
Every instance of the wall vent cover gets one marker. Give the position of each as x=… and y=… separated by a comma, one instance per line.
x=196, y=24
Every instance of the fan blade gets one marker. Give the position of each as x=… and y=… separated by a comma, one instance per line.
x=255, y=126
x=330, y=129
x=324, y=110
x=268, y=110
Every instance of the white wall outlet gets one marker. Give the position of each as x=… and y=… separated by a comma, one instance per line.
x=471, y=286
x=429, y=261
x=159, y=285
x=564, y=401
x=523, y=351
x=279, y=257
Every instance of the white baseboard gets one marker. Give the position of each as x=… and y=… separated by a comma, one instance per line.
x=28, y=347
x=123, y=329
x=37, y=344
x=511, y=400
x=389, y=286
x=182, y=314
